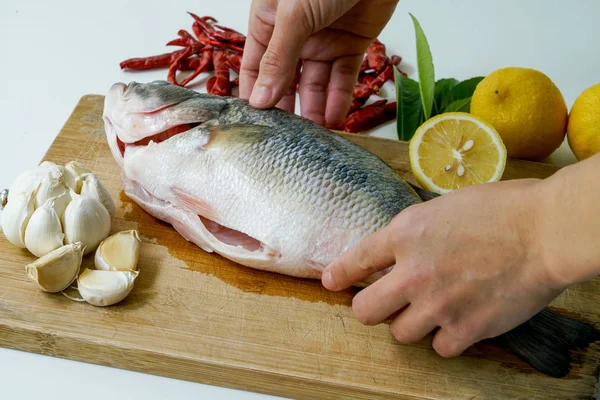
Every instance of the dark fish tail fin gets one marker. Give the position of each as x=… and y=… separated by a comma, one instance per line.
x=425, y=195
x=545, y=341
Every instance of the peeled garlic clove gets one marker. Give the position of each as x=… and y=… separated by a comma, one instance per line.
x=74, y=170
x=105, y=288
x=44, y=230
x=91, y=186
x=16, y=215
x=119, y=252
x=56, y=270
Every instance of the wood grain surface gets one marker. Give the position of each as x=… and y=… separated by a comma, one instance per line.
x=199, y=317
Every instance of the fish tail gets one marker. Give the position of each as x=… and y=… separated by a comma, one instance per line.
x=546, y=340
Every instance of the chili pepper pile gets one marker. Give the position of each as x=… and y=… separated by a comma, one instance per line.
x=218, y=49
x=375, y=70
x=214, y=48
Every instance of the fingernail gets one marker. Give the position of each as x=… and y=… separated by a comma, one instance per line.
x=261, y=95
x=327, y=280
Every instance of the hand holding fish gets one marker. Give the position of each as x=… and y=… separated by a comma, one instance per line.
x=479, y=261
x=330, y=37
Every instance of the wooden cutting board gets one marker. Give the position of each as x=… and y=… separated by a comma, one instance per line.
x=198, y=317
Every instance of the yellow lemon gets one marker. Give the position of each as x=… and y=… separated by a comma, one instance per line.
x=526, y=108
x=583, y=131
x=454, y=150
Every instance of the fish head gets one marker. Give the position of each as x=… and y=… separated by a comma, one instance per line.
x=138, y=113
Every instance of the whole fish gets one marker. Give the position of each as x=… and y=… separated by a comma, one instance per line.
x=274, y=191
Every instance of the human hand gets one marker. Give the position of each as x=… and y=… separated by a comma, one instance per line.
x=330, y=36
x=469, y=262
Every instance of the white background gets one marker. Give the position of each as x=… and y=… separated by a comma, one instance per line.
x=53, y=52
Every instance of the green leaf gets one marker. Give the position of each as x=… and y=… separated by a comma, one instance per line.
x=441, y=94
x=426, y=70
x=409, y=109
x=461, y=105
x=465, y=88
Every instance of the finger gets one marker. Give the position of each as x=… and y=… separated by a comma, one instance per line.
x=449, y=345
x=383, y=298
x=288, y=101
x=260, y=31
x=278, y=64
x=343, y=79
x=253, y=52
x=313, y=90
x=413, y=324
x=374, y=253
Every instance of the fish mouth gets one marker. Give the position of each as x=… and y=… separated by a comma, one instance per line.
x=157, y=138
x=134, y=117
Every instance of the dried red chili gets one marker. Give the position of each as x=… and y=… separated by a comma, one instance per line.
x=203, y=65
x=376, y=56
x=162, y=60
x=222, y=86
x=386, y=75
x=356, y=104
x=367, y=117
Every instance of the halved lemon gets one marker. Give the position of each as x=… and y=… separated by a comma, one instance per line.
x=454, y=150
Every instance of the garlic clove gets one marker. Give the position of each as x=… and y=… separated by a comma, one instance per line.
x=16, y=215
x=49, y=187
x=74, y=170
x=44, y=230
x=105, y=288
x=56, y=270
x=91, y=186
x=29, y=179
x=119, y=252
x=85, y=220
x=61, y=202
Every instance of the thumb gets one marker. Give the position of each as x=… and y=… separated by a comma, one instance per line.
x=278, y=65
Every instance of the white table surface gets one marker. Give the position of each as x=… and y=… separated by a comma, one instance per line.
x=53, y=52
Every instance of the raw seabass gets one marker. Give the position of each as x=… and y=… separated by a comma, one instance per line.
x=274, y=191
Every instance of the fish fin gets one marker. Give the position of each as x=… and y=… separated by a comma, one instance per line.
x=196, y=205
x=234, y=133
x=425, y=195
x=545, y=341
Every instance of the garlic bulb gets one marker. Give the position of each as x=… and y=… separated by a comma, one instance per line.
x=92, y=187
x=86, y=220
x=119, y=252
x=105, y=288
x=16, y=215
x=44, y=230
x=56, y=270
x=89, y=215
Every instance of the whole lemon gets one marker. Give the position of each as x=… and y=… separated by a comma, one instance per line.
x=583, y=130
x=526, y=108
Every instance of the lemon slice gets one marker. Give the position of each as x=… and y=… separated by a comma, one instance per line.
x=455, y=150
